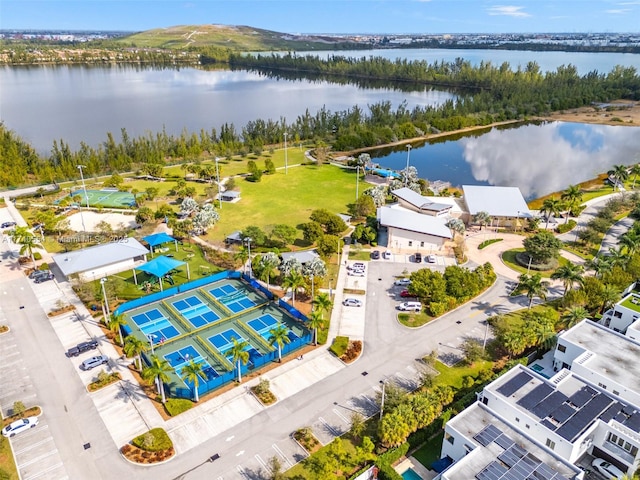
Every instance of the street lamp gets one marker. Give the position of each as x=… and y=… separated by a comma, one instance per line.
x=248, y=240
x=103, y=280
x=286, y=163
x=357, y=180
x=84, y=188
x=219, y=186
x=312, y=288
x=383, y=383
x=486, y=331
x=406, y=176
x=150, y=337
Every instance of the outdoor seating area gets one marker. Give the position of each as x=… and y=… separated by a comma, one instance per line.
x=200, y=321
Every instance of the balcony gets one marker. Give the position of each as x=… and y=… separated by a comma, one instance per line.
x=618, y=452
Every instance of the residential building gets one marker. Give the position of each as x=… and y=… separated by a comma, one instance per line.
x=624, y=314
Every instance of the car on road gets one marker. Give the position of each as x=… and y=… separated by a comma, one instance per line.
x=81, y=348
x=430, y=259
x=407, y=294
x=402, y=282
x=352, y=302
x=410, y=307
x=607, y=469
x=375, y=255
x=417, y=257
x=19, y=426
x=386, y=255
x=44, y=278
x=8, y=224
x=93, y=362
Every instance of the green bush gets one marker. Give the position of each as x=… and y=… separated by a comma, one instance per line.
x=565, y=227
x=159, y=440
x=339, y=346
x=37, y=255
x=486, y=243
x=176, y=406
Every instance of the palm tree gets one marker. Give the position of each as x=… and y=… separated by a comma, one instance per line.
x=610, y=295
x=315, y=322
x=574, y=316
x=294, y=281
x=618, y=257
x=532, y=286
x=619, y=174
x=635, y=171
x=268, y=263
x=279, y=335
x=456, y=226
x=570, y=274
x=322, y=303
x=600, y=264
x=551, y=206
x=158, y=371
x=24, y=237
x=134, y=347
x=546, y=336
x=115, y=324
x=572, y=197
x=482, y=218
x=630, y=240
x=242, y=255
x=239, y=354
x=192, y=372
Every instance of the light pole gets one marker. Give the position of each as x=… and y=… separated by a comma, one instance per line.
x=248, y=240
x=103, y=280
x=219, y=186
x=312, y=288
x=383, y=383
x=517, y=220
x=150, y=337
x=84, y=189
x=486, y=331
x=286, y=163
x=406, y=175
x=357, y=180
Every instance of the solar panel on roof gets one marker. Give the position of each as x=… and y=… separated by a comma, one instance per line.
x=581, y=397
x=511, y=456
x=504, y=441
x=562, y=413
x=513, y=385
x=634, y=422
x=546, y=423
x=487, y=435
x=592, y=410
x=549, y=404
x=535, y=396
x=493, y=471
x=628, y=409
x=598, y=404
x=610, y=412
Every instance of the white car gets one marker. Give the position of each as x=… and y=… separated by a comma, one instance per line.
x=356, y=273
x=410, y=307
x=431, y=259
x=386, y=255
x=356, y=266
x=19, y=426
x=352, y=302
x=93, y=362
x=607, y=469
x=402, y=282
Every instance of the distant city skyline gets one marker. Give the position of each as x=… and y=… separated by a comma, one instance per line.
x=330, y=16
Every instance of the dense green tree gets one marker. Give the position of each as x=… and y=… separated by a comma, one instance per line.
x=570, y=274
x=542, y=246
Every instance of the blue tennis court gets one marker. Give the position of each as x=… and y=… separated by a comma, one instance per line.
x=223, y=342
x=194, y=310
x=263, y=325
x=179, y=358
x=232, y=298
x=155, y=325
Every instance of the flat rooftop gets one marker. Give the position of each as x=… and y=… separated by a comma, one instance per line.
x=614, y=356
x=631, y=301
x=564, y=404
x=490, y=455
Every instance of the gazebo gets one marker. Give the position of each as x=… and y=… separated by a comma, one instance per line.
x=159, y=239
x=160, y=266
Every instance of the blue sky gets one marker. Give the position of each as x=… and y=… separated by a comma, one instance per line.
x=329, y=16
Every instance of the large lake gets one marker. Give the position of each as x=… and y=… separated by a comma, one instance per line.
x=83, y=103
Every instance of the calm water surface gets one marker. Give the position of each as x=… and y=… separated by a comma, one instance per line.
x=539, y=159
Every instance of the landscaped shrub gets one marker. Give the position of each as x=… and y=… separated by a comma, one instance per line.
x=565, y=227
x=154, y=440
x=37, y=255
x=353, y=351
x=339, y=346
x=486, y=243
x=263, y=392
x=176, y=406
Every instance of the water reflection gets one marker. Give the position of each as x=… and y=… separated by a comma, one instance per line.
x=539, y=159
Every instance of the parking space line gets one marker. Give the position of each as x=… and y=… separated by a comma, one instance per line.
x=282, y=455
x=262, y=462
x=37, y=459
x=339, y=414
x=43, y=472
x=241, y=471
x=33, y=445
x=329, y=427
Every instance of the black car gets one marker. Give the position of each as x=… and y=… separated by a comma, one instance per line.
x=417, y=257
x=8, y=224
x=375, y=254
x=44, y=278
x=82, y=347
x=38, y=273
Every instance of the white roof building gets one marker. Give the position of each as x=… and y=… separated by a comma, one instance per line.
x=412, y=231
x=426, y=205
x=496, y=201
x=105, y=259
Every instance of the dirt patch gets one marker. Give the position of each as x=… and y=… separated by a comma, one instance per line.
x=619, y=112
x=92, y=219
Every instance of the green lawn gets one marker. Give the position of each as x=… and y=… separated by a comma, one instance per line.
x=452, y=376
x=509, y=259
x=430, y=451
x=287, y=199
x=8, y=469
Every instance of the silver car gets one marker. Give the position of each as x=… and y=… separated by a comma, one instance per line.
x=352, y=302
x=93, y=362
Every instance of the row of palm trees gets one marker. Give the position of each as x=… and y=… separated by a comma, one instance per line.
x=569, y=201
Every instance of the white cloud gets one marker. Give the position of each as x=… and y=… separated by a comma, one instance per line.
x=618, y=11
x=508, y=10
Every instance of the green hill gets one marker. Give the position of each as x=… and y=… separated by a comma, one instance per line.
x=235, y=38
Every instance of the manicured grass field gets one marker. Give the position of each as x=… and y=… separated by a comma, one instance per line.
x=287, y=199
x=509, y=259
x=453, y=376
x=430, y=451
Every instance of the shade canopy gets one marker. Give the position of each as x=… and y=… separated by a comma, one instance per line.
x=160, y=266
x=158, y=239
